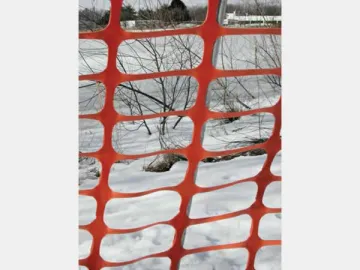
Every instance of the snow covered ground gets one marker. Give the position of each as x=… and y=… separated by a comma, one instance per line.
x=181, y=52
x=163, y=205
x=240, y=94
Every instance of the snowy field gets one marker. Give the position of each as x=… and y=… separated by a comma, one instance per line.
x=179, y=93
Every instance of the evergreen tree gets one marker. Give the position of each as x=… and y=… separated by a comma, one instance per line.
x=179, y=11
x=128, y=13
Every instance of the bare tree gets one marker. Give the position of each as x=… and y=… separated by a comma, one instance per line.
x=165, y=94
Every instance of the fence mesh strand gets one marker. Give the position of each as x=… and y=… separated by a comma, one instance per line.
x=111, y=77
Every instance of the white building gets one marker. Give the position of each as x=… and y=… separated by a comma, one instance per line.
x=128, y=24
x=232, y=17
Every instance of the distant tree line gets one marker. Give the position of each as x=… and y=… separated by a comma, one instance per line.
x=128, y=13
x=177, y=12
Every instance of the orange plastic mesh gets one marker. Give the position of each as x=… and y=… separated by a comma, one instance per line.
x=111, y=77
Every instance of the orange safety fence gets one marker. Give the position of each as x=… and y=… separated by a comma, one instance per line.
x=111, y=77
